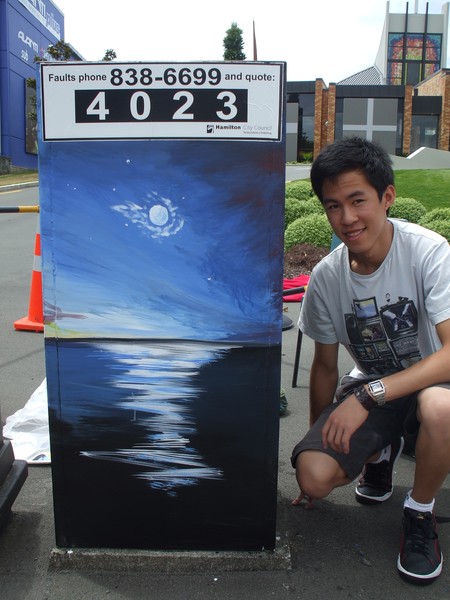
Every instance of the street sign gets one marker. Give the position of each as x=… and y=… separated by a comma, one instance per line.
x=98, y=101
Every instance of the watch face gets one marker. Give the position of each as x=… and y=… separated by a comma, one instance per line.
x=376, y=387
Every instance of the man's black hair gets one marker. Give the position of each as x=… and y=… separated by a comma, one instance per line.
x=353, y=154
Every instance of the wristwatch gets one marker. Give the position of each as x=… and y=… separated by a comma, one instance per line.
x=377, y=391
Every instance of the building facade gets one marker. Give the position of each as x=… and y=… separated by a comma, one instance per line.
x=413, y=45
x=402, y=101
x=27, y=29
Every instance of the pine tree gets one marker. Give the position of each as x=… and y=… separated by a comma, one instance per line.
x=109, y=55
x=233, y=44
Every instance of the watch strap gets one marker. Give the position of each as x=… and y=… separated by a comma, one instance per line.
x=364, y=398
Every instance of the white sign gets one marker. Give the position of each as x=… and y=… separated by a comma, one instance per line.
x=110, y=100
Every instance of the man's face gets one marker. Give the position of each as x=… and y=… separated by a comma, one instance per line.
x=356, y=214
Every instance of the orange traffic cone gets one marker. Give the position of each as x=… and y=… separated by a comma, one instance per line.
x=35, y=319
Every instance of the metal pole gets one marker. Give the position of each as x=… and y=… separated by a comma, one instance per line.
x=19, y=209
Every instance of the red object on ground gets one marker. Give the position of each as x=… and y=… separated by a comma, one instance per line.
x=289, y=284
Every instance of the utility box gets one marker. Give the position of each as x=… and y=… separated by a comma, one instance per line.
x=162, y=198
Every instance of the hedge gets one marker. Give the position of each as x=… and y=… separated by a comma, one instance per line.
x=312, y=229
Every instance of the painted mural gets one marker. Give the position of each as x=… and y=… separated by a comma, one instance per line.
x=162, y=267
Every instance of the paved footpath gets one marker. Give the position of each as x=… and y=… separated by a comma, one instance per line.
x=339, y=549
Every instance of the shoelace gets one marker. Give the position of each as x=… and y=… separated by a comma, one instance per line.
x=378, y=474
x=419, y=530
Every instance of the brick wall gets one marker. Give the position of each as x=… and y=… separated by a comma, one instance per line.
x=331, y=116
x=407, y=119
x=433, y=86
x=444, y=125
x=439, y=85
x=318, y=116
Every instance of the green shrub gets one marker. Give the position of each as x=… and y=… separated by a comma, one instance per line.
x=310, y=207
x=301, y=189
x=407, y=208
x=312, y=229
x=437, y=214
x=294, y=209
x=442, y=227
x=291, y=210
x=307, y=157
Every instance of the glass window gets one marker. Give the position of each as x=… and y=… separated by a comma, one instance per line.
x=413, y=69
x=413, y=55
x=395, y=46
x=339, y=119
x=395, y=71
x=305, y=124
x=430, y=69
x=307, y=134
x=433, y=47
x=307, y=103
x=424, y=131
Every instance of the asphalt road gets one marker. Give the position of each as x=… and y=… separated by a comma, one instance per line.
x=339, y=549
x=21, y=354
x=294, y=172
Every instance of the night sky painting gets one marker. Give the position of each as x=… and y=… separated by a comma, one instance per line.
x=162, y=267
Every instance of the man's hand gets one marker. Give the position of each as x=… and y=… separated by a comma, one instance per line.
x=342, y=424
x=302, y=496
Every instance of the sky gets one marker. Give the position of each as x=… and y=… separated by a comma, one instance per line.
x=319, y=39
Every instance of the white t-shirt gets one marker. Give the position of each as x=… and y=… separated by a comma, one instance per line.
x=387, y=319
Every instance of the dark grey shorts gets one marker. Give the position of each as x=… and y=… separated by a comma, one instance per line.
x=383, y=424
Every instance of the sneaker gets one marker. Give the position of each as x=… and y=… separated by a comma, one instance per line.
x=420, y=559
x=375, y=485
x=283, y=402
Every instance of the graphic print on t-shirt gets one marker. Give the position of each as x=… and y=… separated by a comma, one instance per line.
x=383, y=340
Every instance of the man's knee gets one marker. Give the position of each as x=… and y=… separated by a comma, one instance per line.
x=434, y=410
x=318, y=473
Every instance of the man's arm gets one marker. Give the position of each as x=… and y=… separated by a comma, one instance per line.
x=323, y=378
x=425, y=373
x=350, y=415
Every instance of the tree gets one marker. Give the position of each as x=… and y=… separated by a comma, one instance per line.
x=233, y=44
x=109, y=55
x=59, y=52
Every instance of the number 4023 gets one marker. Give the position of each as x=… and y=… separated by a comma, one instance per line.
x=160, y=105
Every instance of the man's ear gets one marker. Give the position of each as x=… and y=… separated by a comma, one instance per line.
x=389, y=197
